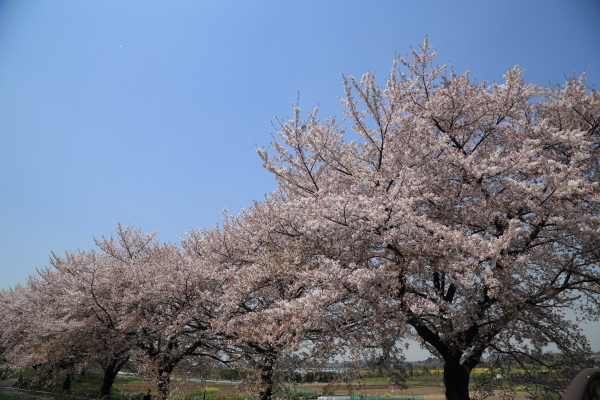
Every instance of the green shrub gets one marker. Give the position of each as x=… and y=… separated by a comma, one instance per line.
x=228, y=374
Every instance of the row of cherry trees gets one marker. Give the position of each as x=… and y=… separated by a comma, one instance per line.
x=216, y=296
x=463, y=215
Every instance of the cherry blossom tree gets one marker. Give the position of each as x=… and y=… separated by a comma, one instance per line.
x=170, y=300
x=17, y=324
x=96, y=308
x=74, y=288
x=467, y=213
x=54, y=329
x=266, y=312
x=39, y=336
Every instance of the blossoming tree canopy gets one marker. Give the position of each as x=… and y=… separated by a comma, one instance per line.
x=467, y=211
x=265, y=310
x=137, y=293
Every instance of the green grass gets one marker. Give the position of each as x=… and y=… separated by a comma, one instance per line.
x=208, y=394
x=88, y=384
x=91, y=382
x=429, y=379
x=23, y=374
x=547, y=396
x=372, y=381
x=240, y=397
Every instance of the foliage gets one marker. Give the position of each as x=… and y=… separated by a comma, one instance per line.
x=464, y=214
x=228, y=373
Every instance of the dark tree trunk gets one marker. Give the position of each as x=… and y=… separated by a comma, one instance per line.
x=456, y=379
x=456, y=375
x=107, y=382
x=110, y=373
x=266, y=379
x=67, y=382
x=164, y=379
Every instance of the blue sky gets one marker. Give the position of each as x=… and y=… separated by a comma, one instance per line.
x=148, y=113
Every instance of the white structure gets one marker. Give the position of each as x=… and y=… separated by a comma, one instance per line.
x=333, y=398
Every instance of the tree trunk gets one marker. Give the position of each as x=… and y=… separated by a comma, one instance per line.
x=266, y=380
x=456, y=379
x=67, y=382
x=164, y=379
x=107, y=381
x=110, y=373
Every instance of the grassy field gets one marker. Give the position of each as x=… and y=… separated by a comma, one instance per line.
x=429, y=386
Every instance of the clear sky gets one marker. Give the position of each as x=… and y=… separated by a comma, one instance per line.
x=148, y=112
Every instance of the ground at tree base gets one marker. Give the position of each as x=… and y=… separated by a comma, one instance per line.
x=437, y=393
x=429, y=392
